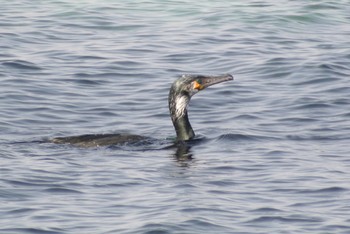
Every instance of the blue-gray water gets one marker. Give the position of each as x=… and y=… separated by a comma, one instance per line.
x=275, y=143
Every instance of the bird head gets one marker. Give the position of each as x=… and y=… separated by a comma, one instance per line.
x=192, y=84
x=188, y=85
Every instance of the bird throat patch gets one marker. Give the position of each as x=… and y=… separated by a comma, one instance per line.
x=180, y=106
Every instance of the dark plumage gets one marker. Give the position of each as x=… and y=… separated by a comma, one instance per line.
x=180, y=95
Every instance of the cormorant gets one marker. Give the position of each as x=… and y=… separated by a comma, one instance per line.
x=180, y=94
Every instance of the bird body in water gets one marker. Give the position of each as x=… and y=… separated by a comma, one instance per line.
x=180, y=95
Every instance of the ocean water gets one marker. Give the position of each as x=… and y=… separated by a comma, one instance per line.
x=272, y=149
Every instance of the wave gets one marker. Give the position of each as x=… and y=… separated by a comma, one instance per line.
x=21, y=64
x=244, y=137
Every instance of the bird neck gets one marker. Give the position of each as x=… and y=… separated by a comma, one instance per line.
x=178, y=112
x=183, y=128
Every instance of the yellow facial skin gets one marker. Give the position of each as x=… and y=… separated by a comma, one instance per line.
x=197, y=85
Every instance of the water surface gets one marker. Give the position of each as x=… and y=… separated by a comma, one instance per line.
x=272, y=148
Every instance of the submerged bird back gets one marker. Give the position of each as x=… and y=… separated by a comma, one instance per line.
x=93, y=140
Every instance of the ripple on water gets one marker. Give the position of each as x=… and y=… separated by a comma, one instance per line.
x=33, y=230
x=289, y=219
x=61, y=190
x=243, y=137
x=21, y=64
x=273, y=154
x=325, y=191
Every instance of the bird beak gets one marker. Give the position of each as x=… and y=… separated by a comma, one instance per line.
x=207, y=81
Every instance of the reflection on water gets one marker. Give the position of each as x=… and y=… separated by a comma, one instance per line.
x=183, y=151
